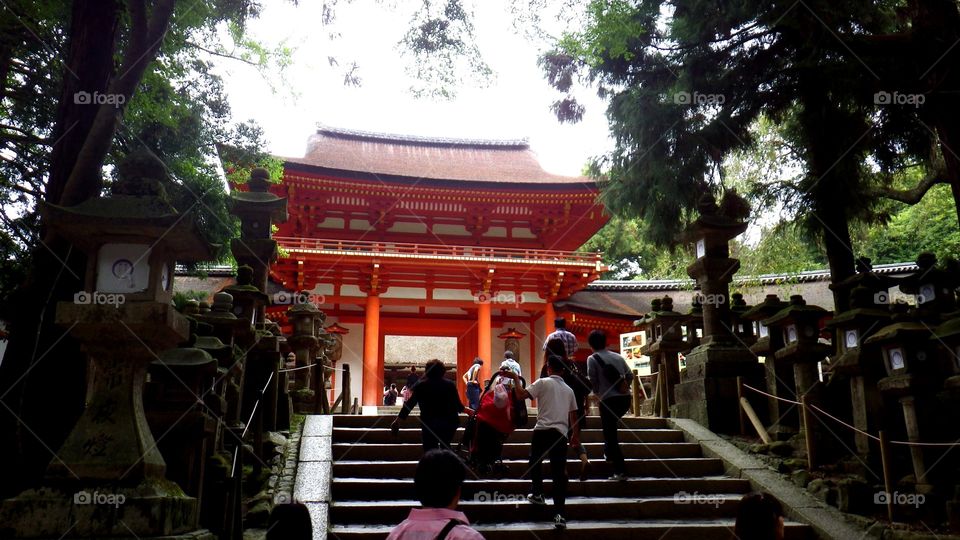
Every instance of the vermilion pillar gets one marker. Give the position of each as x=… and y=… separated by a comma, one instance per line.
x=484, y=339
x=548, y=317
x=371, y=352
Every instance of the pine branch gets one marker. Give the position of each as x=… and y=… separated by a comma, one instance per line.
x=913, y=195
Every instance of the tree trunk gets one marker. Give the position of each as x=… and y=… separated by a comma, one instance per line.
x=831, y=135
x=41, y=377
x=90, y=64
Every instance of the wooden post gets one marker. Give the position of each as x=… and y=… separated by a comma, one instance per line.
x=665, y=392
x=887, y=476
x=345, y=389
x=755, y=420
x=808, y=432
x=635, y=390
x=740, y=409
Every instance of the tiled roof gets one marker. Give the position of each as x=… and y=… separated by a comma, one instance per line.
x=435, y=158
x=764, y=279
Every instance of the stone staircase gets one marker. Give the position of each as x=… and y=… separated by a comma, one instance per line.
x=673, y=491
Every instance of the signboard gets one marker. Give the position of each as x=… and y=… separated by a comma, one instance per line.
x=630, y=345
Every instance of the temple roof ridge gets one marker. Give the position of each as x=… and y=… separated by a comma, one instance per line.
x=762, y=279
x=521, y=143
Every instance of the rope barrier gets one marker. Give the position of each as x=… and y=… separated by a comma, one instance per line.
x=864, y=433
x=297, y=368
x=771, y=395
x=828, y=415
x=328, y=368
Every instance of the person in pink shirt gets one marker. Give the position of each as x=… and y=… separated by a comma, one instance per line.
x=438, y=480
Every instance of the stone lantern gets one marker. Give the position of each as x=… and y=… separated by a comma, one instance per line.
x=911, y=377
x=799, y=326
x=693, y=323
x=303, y=316
x=226, y=327
x=665, y=349
x=779, y=374
x=947, y=335
x=707, y=392
x=851, y=361
x=123, y=318
x=741, y=328
x=248, y=300
x=336, y=351
x=258, y=210
x=932, y=287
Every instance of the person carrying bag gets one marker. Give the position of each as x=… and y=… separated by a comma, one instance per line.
x=610, y=379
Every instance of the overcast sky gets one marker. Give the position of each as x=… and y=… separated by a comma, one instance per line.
x=514, y=105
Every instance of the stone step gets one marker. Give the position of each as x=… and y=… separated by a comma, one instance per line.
x=720, y=529
x=488, y=507
x=412, y=435
x=671, y=468
x=592, y=422
x=511, y=450
x=357, y=489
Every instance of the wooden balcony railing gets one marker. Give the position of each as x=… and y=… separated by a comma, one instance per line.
x=441, y=251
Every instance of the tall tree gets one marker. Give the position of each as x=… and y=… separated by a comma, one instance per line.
x=687, y=79
x=125, y=75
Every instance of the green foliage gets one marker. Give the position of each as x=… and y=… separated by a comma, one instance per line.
x=179, y=112
x=692, y=82
x=180, y=298
x=442, y=48
x=930, y=225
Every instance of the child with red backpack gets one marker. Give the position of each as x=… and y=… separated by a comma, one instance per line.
x=496, y=418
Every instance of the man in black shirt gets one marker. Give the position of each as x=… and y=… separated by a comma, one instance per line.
x=440, y=407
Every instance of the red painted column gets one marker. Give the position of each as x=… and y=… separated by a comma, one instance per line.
x=372, y=391
x=484, y=339
x=548, y=317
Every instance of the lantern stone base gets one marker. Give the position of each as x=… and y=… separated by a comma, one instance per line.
x=155, y=508
x=304, y=400
x=707, y=392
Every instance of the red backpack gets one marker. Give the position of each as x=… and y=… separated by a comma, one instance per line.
x=493, y=410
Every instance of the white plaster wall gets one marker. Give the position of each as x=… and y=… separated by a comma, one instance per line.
x=353, y=356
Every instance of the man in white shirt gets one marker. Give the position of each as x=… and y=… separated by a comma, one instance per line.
x=510, y=364
x=556, y=413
